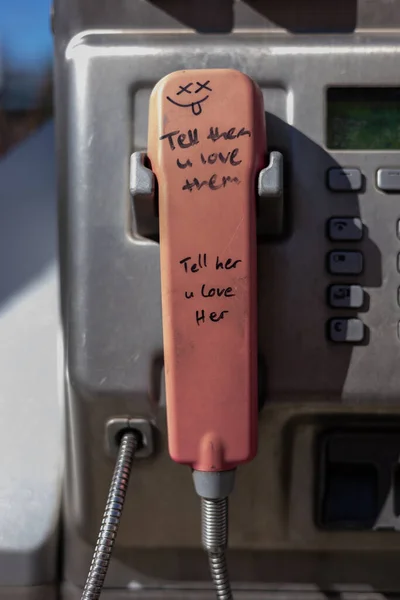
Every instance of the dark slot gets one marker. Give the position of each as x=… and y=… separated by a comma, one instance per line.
x=351, y=497
x=396, y=491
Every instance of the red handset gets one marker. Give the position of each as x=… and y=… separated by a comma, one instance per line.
x=207, y=143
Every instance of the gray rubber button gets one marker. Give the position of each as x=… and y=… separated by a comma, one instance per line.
x=344, y=262
x=344, y=180
x=346, y=296
x=388, y=180
x=345, y=229
x=346, y=330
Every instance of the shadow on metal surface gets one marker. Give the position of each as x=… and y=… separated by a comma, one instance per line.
x=208, y=16
x=309, y=16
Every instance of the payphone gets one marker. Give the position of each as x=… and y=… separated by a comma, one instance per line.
x=317, y=510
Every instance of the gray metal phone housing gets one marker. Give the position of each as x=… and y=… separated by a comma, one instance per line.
x=112, y=316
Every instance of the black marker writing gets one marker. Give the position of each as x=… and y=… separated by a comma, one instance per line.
x=213, y=316
x=211, y=292
x=200, y=317
x=211, y=183
x=184, y=165
x=203, y=86
x=232, y=157
x=184, y=88
x=201, y=263
x=192, y=138
x=189, y=185
x=231, y=134
x=206, y=290
x=228, y=264
x=212, y=158
x=196, y=104
x=184, y=262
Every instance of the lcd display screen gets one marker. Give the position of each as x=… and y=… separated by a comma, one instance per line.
x=363, y=118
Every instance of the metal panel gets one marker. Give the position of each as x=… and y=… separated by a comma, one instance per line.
x=111, y=292
x=34, y=592
x=70, y=592
x=114, y=326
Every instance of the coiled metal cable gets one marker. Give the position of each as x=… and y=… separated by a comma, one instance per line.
x=111, y=518
x=214, y=517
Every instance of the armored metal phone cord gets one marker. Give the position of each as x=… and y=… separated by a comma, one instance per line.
x=214, y=518
x=130, y=442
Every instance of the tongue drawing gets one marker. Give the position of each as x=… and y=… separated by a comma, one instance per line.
x=196, y=108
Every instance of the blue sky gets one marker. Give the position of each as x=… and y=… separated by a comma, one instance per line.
x=25, y=37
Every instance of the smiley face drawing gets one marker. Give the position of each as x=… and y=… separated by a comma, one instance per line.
x=195, y=105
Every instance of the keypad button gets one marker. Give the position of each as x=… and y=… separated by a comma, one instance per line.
x=344, y=180
x=398, y=262
x=346, y=296
x=346, y=330
x=345, y=229
x=388, y=180
x=345, y=262
x=398, y=228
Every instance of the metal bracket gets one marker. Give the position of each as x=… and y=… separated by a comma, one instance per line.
x=115, y=427
x=142, y=180
x=270, y=187
x=142, y=186
x=270, y=179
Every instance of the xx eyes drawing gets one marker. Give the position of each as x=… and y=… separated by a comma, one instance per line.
x=192, y=88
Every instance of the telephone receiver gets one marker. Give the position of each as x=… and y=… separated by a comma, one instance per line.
x=206, y=170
